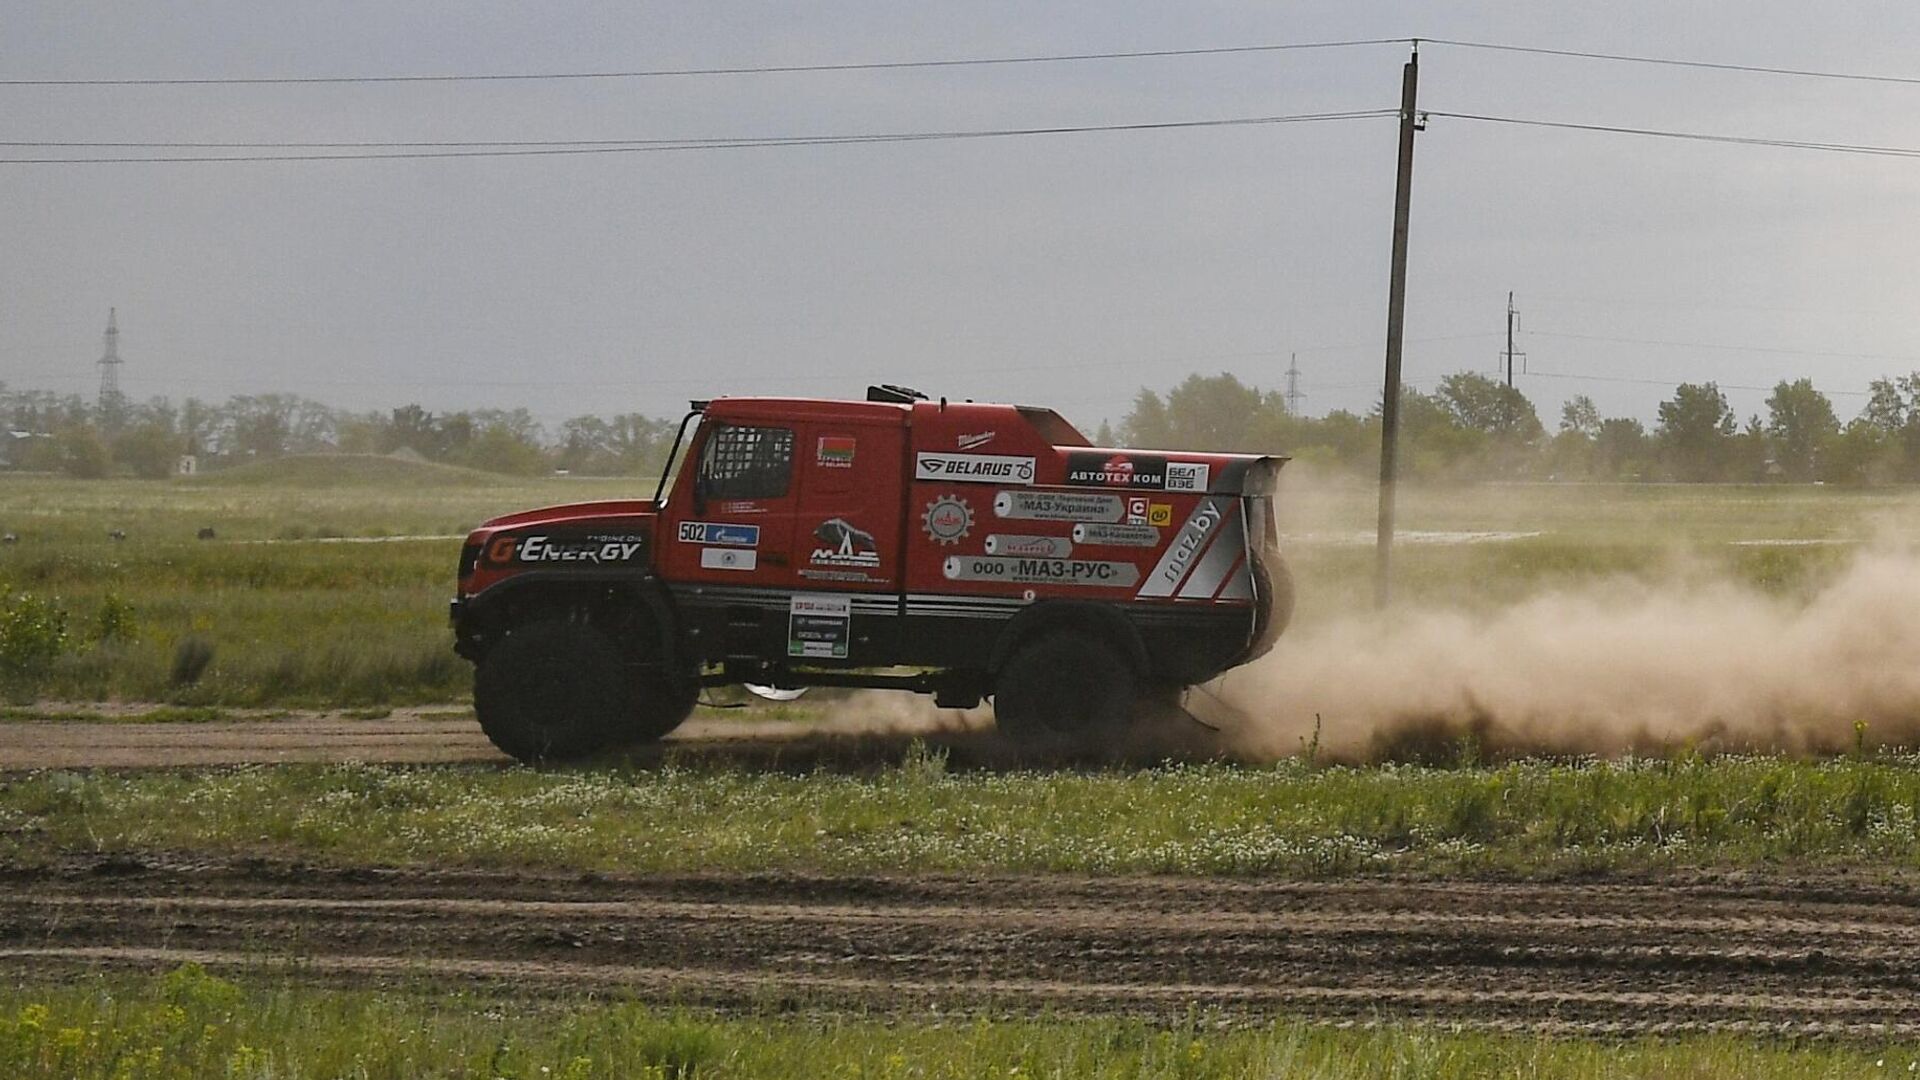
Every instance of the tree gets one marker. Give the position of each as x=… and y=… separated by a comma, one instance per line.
x=1855, y=454
x=413, y=428
x=1579, y=416
x=83, y=453
x=1800, y=420
x=1620, y=448
x=1695, y=425
x=498, y=449
x=1893, y=407
x=1146, y=424
x=1479, y=403
x=150, y=450
x=1887, y=408
x=1205, y=412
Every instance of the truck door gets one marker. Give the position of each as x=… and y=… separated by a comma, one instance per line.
x=848, y=533
x=737, y=529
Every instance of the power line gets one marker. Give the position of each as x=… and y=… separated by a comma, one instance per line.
x=663, y=146
x=962, y=62
x=1693, y=136
x=488, y=148
x=1774, y=350
x=669, y=73
x=1670, y=382
x=1664, y=61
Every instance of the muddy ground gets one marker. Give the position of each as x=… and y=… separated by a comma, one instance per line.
x=1559, y=958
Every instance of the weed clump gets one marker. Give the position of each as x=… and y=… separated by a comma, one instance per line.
x=33, y=634
x=116, y=622
x=191, y=657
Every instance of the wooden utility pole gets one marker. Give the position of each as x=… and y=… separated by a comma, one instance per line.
x=1396, y=328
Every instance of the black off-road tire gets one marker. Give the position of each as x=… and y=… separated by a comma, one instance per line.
x=1066, y=687
x=661, y=704
x=554, y=691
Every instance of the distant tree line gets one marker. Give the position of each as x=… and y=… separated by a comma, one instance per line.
x=1469, y=427
x=1475, y=427
x=68, y=433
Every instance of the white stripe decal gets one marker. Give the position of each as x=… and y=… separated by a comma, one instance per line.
x=1211, y=569
x=1187, y=547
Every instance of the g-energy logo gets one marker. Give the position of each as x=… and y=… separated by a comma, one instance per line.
x=593, y=550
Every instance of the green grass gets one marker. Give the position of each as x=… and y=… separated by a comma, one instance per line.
x=164, y=714
x=293, y=617
x=296, y=618
x=189, y=1023
x=311, y=471
x=1519, y=819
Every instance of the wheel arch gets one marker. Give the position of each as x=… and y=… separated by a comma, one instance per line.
x=1102, y=621
x=613, y=602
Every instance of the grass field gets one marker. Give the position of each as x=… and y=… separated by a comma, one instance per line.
x=188, y=1023
x=288, y=607
x=292, y=609
x=1525, y=819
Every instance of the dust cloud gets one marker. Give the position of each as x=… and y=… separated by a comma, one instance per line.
x=1609, y=668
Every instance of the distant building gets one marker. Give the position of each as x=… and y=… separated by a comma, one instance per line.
x=16, y=447
x=188, y=465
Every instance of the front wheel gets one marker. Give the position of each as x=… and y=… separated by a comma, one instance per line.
x=553, y=691
x=1064, y=686
x=662, y=703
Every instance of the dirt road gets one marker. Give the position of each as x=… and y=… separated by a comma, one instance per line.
x=438, y=736
x=1550, y=958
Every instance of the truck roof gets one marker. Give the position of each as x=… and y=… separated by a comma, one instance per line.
x=1052, y=427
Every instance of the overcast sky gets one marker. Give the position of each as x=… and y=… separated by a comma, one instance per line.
x=1067, y=270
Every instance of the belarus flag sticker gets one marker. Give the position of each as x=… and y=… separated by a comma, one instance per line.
x=836, y=451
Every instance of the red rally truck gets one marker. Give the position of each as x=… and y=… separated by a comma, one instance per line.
x=959, y=549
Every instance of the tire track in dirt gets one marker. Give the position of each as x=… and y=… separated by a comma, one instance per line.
x=1644, y=957
x=431, y=736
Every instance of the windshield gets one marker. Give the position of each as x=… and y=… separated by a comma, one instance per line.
x=676, y=461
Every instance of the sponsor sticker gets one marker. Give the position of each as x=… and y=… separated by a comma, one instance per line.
x=819, y=626
x=948, y=519
x=1089, y=572
x=718, y=532
x=729, y=559
x=1140, y=472
x=1188, y=475
x=1057, y=506
x=1186, y=547
x=1136, y=510
x=1116, y=535
x=973, y=468
x=1160, y=514
x=854, y=577
x=976, y=441
x=1044, y=547
x=844, y=544
x=593, y=549
x=835, y=451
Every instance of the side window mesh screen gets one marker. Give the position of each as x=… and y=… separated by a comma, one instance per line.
x=747, y=463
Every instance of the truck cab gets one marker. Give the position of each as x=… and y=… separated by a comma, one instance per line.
x=960, y=549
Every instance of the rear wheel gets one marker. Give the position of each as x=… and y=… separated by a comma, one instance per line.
x=1065, y=686
x=554, y=690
